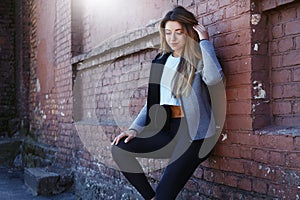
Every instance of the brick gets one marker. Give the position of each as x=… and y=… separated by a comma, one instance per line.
x=277, y=31
x=245, y=152
x=259, y=186
x=259, y=170
x=285, y=142
x=243, y=7
x=219, y=15
x=228, y=150
x=236, y=66
x=293, y=160
x=199, y=173
x=291, y=90
x=297, y=143
x=212, y=5
x=224, y=3
x=219, y=176
x=238, y=79
x=276, y=158
x=276, y=61
x=285, y=45
x=282, y=191
x=220, y=27
x=201, y=8
x=292, y=27
x=296, y=108
x=296, y=74
x=239, y=122
x=244, y=184
x=208, y=176
x=297, y=41
x=260, y=155
x=230, y=180
x=281, y=76
x=282, y=108
x=239, y=107
x=235, y=51
x=232, y=165
x=277, y=91
x=244, y=92
x=268, y=141
x=288, y=15
x=246, y=139
x=191, y=185
x=208, y=20
x=243, y=21
x=287, y=120
x=231, y=94
x=231, y=11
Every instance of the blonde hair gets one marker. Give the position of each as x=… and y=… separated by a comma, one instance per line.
x=182, y=81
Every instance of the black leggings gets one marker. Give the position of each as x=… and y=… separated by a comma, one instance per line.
x=174, y=144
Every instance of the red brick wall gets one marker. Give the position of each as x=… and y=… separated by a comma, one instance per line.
x=43, y=105
x=246, y=164
x=22, y=48
x=284, y=46
x=63, y=80
x=7, y=68
x=275, y=52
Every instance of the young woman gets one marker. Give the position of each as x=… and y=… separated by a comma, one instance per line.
x=177, y=117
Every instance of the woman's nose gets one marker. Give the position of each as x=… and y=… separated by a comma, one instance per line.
x=173, y=37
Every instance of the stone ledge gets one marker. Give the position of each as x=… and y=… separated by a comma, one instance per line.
x=279, y=130
x=42, y=181
x=119, y=46
x=271, y=4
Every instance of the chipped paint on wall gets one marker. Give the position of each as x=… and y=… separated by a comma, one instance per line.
x=255, y=19
x=260, y=93
x=255, y=47
x=38, y=85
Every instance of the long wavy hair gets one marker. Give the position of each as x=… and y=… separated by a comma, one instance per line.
x=182, y=81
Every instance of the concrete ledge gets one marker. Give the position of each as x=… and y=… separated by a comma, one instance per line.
x=40, y=181
x=121, y=45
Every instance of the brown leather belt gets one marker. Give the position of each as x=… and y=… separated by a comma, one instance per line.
x=177, y=111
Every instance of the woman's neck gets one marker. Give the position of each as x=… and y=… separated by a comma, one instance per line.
x=176, y=54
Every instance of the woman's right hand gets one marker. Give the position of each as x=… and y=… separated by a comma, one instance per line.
x=129, y=134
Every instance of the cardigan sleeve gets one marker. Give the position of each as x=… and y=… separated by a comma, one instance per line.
x=140, y=121
x=212, y=71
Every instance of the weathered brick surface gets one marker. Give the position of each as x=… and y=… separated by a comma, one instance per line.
x=285, y=48
x=95, y=92
x=7, y=68
x=22, y=51
x=278, y=30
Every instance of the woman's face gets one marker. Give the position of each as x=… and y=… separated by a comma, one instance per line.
x=175, y=37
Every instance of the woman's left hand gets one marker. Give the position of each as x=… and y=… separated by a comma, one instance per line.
x=202, y=32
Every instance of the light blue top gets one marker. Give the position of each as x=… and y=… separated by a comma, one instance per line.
x=166, y=97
